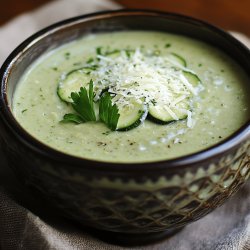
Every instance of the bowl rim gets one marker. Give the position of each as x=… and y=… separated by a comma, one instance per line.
x=194, y=159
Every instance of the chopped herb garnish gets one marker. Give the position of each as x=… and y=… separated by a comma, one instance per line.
x=90, y=60
x=67, y=55
x=106, y=133
x=99, y=50
x=129, y=52
x=101, y=143
x=72, y=118
x=24, y=110
x=153, y=102
x=55, y=68
x=108, y=112
x=200, y=64
x=167, y=45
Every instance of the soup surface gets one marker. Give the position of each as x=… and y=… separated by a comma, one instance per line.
x=218, y=108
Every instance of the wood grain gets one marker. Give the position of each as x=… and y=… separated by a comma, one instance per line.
x=228, y=14
x=11, y=8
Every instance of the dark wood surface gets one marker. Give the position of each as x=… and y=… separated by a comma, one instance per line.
x=11, y=8
x=228, y=14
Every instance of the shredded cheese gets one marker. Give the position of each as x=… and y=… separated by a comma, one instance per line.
x=144, y=77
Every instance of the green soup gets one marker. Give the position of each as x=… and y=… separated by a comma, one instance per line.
x=221, y=107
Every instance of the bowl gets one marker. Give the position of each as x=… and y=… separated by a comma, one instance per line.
x=137, y=201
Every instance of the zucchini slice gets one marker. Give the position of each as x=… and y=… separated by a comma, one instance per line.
x=192, y=78
x=177, y=59
x=113, y=54
x=161, y=115
x=73, y=81
x=131, y=117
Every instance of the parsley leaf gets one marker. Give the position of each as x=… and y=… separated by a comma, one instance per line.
x=108, y=113
x=72, y=118
x=99, y=50
x=83, y=103
x=90, y=60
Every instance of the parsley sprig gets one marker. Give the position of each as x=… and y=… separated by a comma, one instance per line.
x=108, y=112
x=83, y=104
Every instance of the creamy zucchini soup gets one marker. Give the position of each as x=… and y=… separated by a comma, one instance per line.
x=133, y=96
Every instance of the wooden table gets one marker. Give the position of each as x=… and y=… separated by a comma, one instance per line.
x=228, y=14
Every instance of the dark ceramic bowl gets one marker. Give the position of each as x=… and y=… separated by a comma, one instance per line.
x=130, y=199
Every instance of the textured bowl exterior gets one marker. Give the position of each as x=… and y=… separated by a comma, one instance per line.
x=132, y=204
x=144, y=199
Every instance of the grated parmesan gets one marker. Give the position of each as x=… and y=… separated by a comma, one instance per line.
x=143, y=77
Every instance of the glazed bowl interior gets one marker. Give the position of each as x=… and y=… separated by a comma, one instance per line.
x=72, y=29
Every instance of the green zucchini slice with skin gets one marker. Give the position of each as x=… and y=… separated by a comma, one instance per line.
x=131, y=117
x=72, y=82
x=192, y=78
x=177, y=59
x=160, y=115
x=113, y=54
